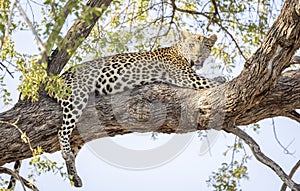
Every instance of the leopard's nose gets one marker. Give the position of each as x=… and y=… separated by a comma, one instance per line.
x=198, y=63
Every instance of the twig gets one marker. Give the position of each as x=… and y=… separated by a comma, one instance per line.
x=23, y=135
x=31, y=10
x=262, y=157
x=23, y=181
x=293, y=171
x=233, y=151
x=132, y=18
x=10, y=18
x=215, y=14
x=187, y=11
x=160, y=27
x=232, y=38
x=15, y=174
x=120, y=13
x=286, y=151
x=149, y=24
x=40, y=4
x=173, y=12
x=214, y=21
x=7, y=70
x=35, y=33
x=6, y=33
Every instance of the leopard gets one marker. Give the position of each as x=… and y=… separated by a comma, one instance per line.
x=122, y=72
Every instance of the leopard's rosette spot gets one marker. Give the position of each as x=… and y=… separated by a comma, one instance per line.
x=118, y=73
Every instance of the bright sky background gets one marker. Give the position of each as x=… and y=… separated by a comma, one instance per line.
x=187, y=170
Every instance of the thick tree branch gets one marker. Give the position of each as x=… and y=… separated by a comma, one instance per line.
x=75, y=36
x=280, y=100
x=109, y=116
x=263, y=69
x=164, y=108
x=293, y=115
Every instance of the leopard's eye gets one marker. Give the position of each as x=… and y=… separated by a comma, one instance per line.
x=191, y=45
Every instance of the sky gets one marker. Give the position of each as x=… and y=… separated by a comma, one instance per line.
x=170, y=162
x=188, y=170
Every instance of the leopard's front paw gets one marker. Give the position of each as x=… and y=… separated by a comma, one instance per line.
x=75, y=180
x=72, y=172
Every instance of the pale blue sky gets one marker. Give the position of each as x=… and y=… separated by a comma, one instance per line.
x=188, y=171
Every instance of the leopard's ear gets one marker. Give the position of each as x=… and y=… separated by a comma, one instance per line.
x=184, y=34
x=212, y=39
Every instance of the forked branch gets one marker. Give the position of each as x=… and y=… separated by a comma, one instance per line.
x=260, y=156
x=74, y=37
x=293, y=171
x=23, y=181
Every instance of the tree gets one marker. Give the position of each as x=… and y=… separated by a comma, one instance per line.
x=262, y=90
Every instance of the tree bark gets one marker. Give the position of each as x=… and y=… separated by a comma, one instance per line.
x=158, y=107
x=74, y=37
x=260, y=91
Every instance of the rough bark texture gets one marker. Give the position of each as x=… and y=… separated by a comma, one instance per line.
x=158, y=107
x=260, y=91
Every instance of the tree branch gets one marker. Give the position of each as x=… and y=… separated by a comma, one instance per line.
x=12, y=182
x=165, y=108
x=211, y=19
x=277, y=102
x=6, y=33
x=74, y=37
x=261, y=72
x=293, y=115
x=35, y=33
x=262, y=157
x=23, y=181
x=59, y=24
x=293, y=171
x=113, y=115
x=2, y=66
x=286, y=151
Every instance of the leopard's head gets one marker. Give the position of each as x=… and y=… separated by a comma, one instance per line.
x=194, y=47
